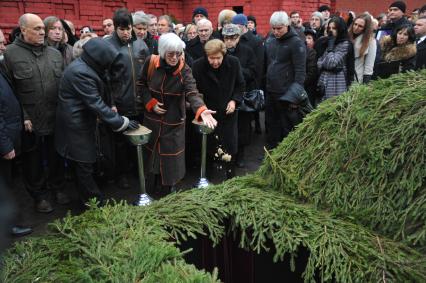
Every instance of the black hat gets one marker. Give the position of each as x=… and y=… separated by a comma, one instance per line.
x=252, y=18
x=200, y=10
x=311, y=32
x=324, y=8
x=400, y=5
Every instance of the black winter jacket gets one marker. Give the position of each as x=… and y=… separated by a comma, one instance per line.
x=81, y=102
x=10, y=119
x=248, y=65
x=286, y=62
x=125, y=93
x=256, y=45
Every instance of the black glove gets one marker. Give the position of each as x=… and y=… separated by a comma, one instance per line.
x=133, y=125
x=366, y=79
x=331, y=42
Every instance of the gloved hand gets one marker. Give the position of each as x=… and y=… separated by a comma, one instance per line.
x=331, y=42
x=366, y=79
x=133, y=125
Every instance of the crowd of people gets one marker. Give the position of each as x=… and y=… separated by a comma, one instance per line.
x=66, y=100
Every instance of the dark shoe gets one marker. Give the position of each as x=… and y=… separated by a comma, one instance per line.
x=19, y=231
x=123, y=183
x=43, y=206
x=62, y=198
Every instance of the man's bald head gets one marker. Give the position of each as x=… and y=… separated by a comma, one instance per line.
x=32, y=29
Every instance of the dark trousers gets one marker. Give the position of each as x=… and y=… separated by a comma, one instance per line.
x=34, y=162
x=86, y=184
x=124, y=155
x=281, y=119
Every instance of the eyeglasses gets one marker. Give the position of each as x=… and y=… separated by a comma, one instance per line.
x=172, y=54
x=230, y=37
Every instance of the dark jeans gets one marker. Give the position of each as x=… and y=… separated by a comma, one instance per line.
x=86, y=184
x=281, y=119
x=34, y=162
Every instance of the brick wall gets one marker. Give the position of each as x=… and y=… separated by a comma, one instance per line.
x=374, y=7
x=91, y=12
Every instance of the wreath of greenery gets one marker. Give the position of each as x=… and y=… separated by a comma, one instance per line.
x=347, y=184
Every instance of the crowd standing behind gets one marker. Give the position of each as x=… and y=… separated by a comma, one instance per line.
x=65, y=99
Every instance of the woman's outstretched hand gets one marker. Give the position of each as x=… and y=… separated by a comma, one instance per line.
x=208, y=119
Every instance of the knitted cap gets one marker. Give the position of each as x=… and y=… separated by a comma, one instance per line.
x=200, y=10
x=400, y=5
x=239, y=19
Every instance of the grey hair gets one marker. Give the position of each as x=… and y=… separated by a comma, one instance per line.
x=318, y=15
x=141, y=18
x=169, y=42
x=23, y=20
x=279, y=18
x=204, y=22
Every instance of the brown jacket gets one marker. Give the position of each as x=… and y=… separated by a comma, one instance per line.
x=172, y=87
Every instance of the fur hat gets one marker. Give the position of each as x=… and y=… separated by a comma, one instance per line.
x=400, y=5
x=252, y=18
x=324, y=8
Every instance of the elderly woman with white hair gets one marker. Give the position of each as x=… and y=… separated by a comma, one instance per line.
x=166, y=84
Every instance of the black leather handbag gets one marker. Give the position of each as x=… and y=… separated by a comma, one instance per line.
x=253, y=101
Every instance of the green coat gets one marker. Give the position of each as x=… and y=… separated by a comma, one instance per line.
x=35, y=73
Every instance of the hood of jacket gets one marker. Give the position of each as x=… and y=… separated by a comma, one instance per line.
x=291, y=33
x=36, y=49
x=101, y=56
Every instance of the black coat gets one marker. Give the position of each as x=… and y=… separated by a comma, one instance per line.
x=286, y=62
x=248, y=67
x=421, y=55
x=10, y=119
x=195, y=48
x=152, y=44
x=82, y=90
x=256, y=45
x=125, y=92
x=311, y=75
x=218, y=88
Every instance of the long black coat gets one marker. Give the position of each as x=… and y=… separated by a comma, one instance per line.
x=256, y=45
x=219, y=87
x=421, y=55
x=10, y=119
x=80, y=103
x=248, y=67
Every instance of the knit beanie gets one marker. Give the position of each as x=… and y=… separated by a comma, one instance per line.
x=200, y=10
x=239, y=19
x=400, y=5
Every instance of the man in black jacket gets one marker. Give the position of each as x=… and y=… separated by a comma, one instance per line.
x=84, y=87
x=396, y=15
x=420, y=30
x=195, y=46
x=285, y=76
x=34, y=70
x=10, y=132
x=134, y=53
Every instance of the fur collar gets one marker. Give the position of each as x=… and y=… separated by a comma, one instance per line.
x=397, y=53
